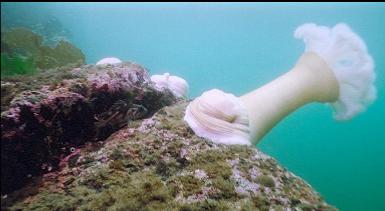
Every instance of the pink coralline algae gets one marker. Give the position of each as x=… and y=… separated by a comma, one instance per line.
x=118, y=78
x=41, y=126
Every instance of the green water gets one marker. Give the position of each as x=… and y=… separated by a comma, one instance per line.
x=238, y=47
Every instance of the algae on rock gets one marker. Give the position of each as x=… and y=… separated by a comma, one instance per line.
x=159, y=164
x=16, y=65
x=22, y=42
x=47, y=25
x=49, y=115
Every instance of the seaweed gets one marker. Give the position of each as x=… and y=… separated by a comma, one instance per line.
x=22, y=42
x=265, y=181
x=16, y=65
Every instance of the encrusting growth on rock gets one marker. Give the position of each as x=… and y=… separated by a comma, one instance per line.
x=40, y=126
x=150, y=166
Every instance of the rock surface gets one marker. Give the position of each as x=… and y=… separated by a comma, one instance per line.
x=26, y=45
x=43, y=24
x=159, y=164
x=47, y=116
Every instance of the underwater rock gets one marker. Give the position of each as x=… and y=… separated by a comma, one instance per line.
x=158, y=163
x=15, y=84
x=46, y=121
x=41, y=23
x=22, y=42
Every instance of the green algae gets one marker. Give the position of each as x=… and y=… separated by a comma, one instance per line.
x=24, y=42
x=167, y=168
x=207, y=204
x=116, y=154
x=151, y=158
x=225, y=187
x=189, y=185
x=145, y=192
x=213, y=163
x=265, y=181
x=261, y=202
x=16, y=65
x=117, y=165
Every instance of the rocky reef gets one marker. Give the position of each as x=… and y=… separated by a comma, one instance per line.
x=43, y=23
x=159, y=164
x=103, y=138
x=44, y=122
x=21, y=45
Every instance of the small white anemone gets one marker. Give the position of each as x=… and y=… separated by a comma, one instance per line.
x=347, y=55
x=220, y=117
x=177, y=85
x=109, y=60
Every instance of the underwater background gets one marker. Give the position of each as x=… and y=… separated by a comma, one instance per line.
x=238, y=47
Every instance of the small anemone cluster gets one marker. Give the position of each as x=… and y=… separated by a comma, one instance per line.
x=177, y=85
x=109, y=61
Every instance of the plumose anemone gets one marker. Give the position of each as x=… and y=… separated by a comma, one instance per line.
x=335, y=69
x=224, y=117
x=177, y=85
x=108, y=60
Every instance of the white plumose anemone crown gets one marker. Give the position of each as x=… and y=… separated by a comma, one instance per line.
x=220, y=117
x=177, y=85
x=346, y=54
x=109, y=60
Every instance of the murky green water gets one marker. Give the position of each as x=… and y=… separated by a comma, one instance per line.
x=237, y=48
